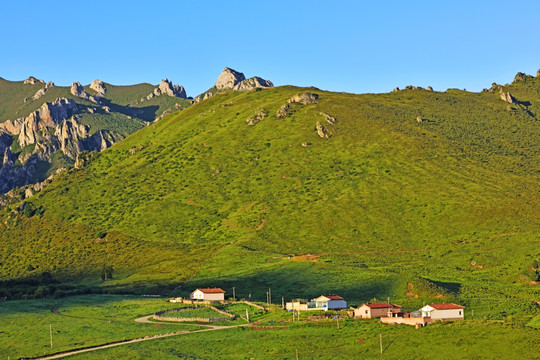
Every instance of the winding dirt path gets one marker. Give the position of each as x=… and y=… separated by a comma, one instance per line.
x=144, y=319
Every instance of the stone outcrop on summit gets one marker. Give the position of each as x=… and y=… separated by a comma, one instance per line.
x=99, y=87
x=228, y=79
x=78, y=90
x=166, y=87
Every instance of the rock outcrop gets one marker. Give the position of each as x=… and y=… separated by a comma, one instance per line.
x=253, y=83
x=509, y=98
x=282, y=111
x=304, y=98
x=260, y=115
x=99, y=87
x=39, y=93
x=228, y=79
x=78, y=90
x=166, y=87
x=50, y=84
x=321, y=130
x=32, y=80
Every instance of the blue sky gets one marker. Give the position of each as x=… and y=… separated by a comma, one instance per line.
x=351, y=46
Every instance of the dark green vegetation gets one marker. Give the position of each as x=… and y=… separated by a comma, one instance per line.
x=442, y=210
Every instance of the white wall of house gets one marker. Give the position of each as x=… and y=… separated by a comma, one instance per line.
x=447, y=314
x=197, y=295
x=214, y=296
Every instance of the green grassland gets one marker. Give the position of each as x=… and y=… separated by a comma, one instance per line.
x=354, y=340
x=77, y=322
x=442, y=210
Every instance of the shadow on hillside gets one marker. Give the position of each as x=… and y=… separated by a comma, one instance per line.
x=146, y=113
x=289, y=283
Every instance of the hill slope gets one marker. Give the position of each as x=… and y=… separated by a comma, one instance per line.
x=386, y=205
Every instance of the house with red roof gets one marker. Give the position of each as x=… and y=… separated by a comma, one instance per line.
x=449, y=311
x=208, y=294
x=327, y=302
x=376, y=310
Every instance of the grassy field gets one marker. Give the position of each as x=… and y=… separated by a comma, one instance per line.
x=203, y=312
x=76, y=322
x=353, y=340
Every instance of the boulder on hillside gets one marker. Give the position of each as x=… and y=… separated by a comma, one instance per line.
x=396, y=89
x=32, y=80
x=253, y=83
x=304, y=98
x=429, y=88
x=98, y=86
x=321, y=130
x=538, y=73
x=50, y=84
x=228, y=79
x=260, y=115
x=39, y=93
x=282, y=111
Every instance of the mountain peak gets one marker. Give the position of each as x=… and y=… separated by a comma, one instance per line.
x=228, y=79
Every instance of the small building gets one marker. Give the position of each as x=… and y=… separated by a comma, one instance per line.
x=449, y=311
x=376, y=310
x=211, y=294
x=327, y=302
x=296, y=306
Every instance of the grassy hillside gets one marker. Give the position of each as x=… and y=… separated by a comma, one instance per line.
x=387, y=206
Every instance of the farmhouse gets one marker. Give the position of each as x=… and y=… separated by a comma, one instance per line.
x=327, y=302
x=376, y=310
x=443, y=311
x=212, y=294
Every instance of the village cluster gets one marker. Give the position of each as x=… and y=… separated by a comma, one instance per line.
x=387, y=312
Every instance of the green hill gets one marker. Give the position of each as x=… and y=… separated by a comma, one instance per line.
x=385, y=206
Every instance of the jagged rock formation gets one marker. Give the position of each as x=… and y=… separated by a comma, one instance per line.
x=253, y=83
x=32, y=80
x=77, y=90
x=51, y=128
x=50, y=84
x=99, y=87
x=228, y=79
x=509, y=98
x=429, y=88
x=166, y=87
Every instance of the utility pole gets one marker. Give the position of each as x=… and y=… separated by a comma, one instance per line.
x=283, y=302
x=389, y=300
x=269, y=295
x=50, y=333
x=337, y=319
x=380, y=337
x=233, y=293
x=472, y=315
x=296, y=354
x=267, y=301
x=247, y=315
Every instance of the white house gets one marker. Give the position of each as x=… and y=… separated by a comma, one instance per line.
x=213, y=294
x=327, y=302
x=443, y=311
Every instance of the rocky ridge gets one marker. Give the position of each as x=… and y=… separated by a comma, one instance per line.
x=230, y=79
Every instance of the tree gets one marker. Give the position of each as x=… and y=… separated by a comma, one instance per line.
x=106, y=272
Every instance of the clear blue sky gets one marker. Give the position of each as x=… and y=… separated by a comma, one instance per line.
x=352, y=46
